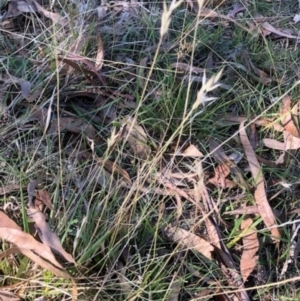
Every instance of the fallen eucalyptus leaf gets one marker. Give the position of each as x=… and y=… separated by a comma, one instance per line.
x=260, y=191
x=250, y=248
x=189, y=240
x=48, y=237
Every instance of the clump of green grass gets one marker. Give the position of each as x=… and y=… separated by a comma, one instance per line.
x=115, y=231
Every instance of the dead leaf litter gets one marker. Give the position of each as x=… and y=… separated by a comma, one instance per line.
x=119, y=187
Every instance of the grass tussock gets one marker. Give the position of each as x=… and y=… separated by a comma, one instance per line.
x=145, y=135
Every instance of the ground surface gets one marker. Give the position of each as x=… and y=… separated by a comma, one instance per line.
x=152, y=147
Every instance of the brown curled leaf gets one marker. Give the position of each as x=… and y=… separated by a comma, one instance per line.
x=48, y=237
